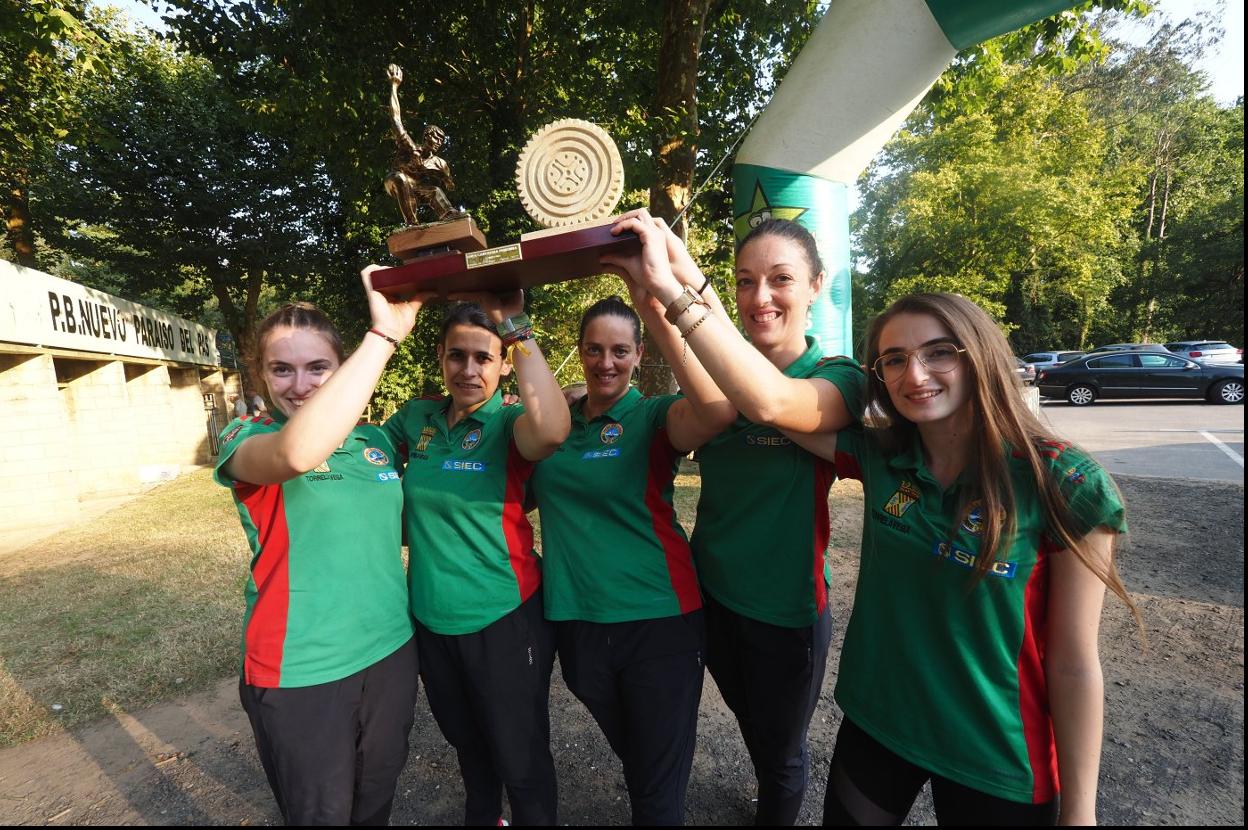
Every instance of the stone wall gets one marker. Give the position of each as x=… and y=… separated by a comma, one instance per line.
x=79, y=428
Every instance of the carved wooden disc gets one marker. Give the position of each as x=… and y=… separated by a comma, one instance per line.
x=569, y=172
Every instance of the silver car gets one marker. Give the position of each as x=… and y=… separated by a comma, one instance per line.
x=1047, y=360
x=1207, y=351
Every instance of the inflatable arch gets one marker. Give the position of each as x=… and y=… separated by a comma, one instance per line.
x=866, y=66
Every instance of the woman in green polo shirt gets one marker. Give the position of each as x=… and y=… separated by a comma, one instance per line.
x=486, y=650
x=327, y=636
x=970, y=659
x=618, y=573
x=762, y=525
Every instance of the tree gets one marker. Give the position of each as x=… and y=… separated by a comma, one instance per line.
x=182, y=192
x=491, y=74
x=43, y=45
x=1011, y=204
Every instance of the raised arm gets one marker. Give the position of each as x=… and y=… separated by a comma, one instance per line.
x=546, y=419
x=755, y=387
x=1073, y=672
x=705, y=411
x=327, y=417
x=395, y=75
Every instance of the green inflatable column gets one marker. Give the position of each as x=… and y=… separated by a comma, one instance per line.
x=821, y=206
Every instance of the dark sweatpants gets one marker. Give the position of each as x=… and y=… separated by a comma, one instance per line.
x=642, y=681
x=489, y=691
x=333, y=752
x=770, y=676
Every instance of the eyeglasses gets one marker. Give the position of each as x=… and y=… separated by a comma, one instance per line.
x=938, y=357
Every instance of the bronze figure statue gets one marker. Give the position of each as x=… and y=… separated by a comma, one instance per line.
x=420, y=178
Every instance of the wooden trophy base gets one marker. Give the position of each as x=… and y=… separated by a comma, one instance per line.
x=459, y=234
x=539, y=259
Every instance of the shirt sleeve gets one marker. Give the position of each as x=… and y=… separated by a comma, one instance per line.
x=232, y=437
x=847, y=376
x=394, y=427
x=1089, y=491
x=849, y=443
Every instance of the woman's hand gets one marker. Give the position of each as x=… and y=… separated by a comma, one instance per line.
x=650, y=269
x=498, y=307
x=393, y=317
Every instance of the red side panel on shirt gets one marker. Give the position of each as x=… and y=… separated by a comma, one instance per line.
x=825, y=474
x=1033, y=691
x=265, y=636
x=516, y=528
x=847, y=466
x=675, y=549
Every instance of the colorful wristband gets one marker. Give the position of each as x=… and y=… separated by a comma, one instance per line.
x=383, y=336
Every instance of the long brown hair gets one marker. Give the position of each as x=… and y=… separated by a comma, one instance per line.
x=1001, y=425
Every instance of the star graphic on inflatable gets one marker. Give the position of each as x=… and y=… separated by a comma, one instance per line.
x=761, y=209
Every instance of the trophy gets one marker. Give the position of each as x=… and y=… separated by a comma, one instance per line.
x=569, y=177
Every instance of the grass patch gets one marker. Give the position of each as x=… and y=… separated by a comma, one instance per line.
x=140, y=605
x=145, y=603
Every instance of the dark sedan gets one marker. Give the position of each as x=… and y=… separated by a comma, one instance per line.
x=1141, y=375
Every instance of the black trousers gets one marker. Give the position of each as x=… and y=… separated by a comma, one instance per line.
x=869, y=784
x=770, y=676
x=642, y=682
x=333, y=752
x=489, y=691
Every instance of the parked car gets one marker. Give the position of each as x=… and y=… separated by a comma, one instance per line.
x=1133, y=374
x=1130, y=347
x=1044, y=360
x=1207, y=351
x=1026, y=372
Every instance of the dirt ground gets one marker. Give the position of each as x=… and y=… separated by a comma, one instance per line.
x=1174, y=749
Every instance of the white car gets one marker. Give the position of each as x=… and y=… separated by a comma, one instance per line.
x=1207, y=351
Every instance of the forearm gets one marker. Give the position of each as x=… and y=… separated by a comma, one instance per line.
x=396, y=118
x=546, y=415
x=698, y=387
x=1077, y=702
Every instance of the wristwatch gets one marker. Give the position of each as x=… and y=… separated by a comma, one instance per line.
x=681, y=304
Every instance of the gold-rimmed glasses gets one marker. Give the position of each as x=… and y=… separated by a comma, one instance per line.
x=937, y=357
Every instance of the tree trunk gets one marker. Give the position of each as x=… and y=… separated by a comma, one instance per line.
x=17, y=223
x=674, y=141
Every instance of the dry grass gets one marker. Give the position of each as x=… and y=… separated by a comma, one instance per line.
x=139, y=605
x=145, y=604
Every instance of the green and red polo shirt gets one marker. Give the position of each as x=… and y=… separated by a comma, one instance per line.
x=762, y=527
x=326, y=593
x=471, y=546
x=946, y=671
x=612, y=549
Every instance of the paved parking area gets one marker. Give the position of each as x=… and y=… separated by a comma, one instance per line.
x=1169, y=439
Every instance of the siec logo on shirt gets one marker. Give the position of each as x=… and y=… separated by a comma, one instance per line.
x=388, y=476
x=426, y=435
x=464, y=466
x=906, y=495
x=974, y=521
x=614, y=452
x=611, y=432
x=767, y=440
x=375, y=456
x=966, y=559
x=471, y=439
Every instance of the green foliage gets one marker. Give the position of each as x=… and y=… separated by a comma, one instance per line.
x=1077, y=207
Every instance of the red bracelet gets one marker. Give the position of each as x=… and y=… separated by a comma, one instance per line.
x=384, y=336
